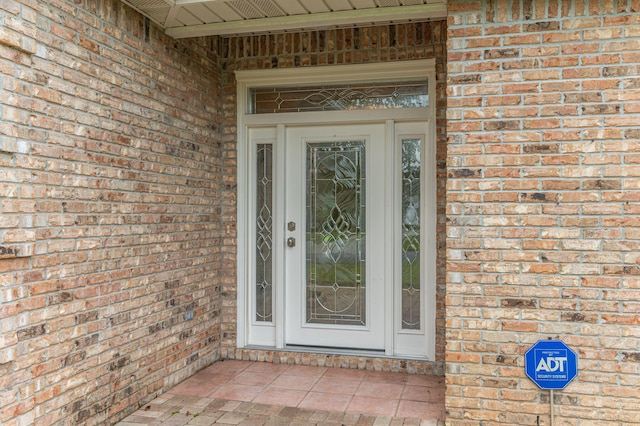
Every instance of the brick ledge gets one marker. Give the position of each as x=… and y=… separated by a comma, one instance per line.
x=360, y=362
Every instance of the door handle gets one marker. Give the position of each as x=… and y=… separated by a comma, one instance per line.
x=291, y=242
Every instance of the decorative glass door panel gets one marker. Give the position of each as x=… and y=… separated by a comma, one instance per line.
x=410, y=234
x=414, y=231
x=264, y=232
x=335, y=215
x=334, y=280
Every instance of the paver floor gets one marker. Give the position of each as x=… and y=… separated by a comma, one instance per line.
x=256, y=393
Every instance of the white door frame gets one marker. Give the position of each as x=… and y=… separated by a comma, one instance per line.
x=312, y=75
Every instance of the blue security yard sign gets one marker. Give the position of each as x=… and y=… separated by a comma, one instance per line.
x=551, y=364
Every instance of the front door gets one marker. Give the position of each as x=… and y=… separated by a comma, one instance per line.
x=335, y=214
x=337, y=209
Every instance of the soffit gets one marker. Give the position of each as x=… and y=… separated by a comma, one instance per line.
x=195, y=18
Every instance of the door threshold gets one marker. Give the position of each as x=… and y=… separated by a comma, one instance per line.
x=335, y=350
x=373, y=353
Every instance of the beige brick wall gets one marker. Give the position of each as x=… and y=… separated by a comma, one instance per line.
x=111, y=231
x=117, y=194
x=334, y=47
x=543, y=199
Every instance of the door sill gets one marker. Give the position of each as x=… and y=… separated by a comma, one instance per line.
x=336, y=351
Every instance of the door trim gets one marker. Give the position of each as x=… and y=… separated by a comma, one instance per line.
x=324, y=74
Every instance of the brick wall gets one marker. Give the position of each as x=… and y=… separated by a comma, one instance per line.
x=543, y=199
x=333, y=47
x=111, y=231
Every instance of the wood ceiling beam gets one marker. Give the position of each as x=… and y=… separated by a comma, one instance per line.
x=314, y=21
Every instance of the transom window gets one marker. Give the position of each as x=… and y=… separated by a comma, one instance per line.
x=339, y=97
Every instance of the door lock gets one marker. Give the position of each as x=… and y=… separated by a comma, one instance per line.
x=291, y=242
x=291, y=226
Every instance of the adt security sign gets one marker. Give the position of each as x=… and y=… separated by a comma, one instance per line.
x=551, y=364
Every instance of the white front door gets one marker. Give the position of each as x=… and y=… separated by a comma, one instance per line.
x=335, y=214
x=337, y=211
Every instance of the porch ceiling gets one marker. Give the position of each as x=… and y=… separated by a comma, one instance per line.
x=194, y=18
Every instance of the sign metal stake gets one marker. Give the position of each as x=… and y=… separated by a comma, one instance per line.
x=552, y=406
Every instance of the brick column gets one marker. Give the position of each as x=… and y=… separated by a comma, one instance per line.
x=542, y=206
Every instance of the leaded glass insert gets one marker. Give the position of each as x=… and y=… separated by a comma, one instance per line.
x=336, y=286
x=410, y=252
x=339, y=97
x=264, y=233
